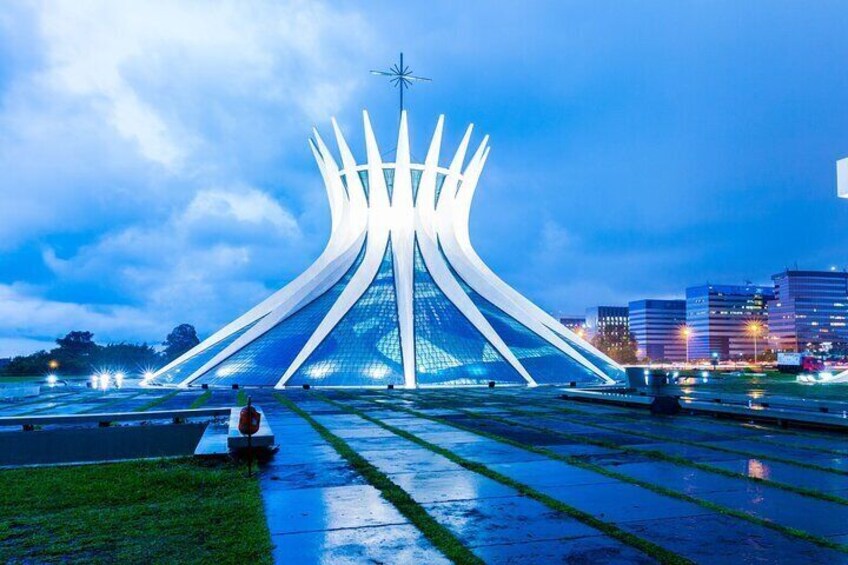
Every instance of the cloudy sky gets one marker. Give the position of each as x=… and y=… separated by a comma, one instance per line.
x=154, y=167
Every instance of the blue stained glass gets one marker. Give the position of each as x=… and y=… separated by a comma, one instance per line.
x=449, y=350
x=416, y=180
x=440, y=182
x=363, y=176
x=389, y=175
x=545, y=363
x=190, y=365
x=608, y=368
x=364, y=347
x=263, y=361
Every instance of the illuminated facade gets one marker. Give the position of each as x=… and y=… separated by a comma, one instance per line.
x=398, y=297
x=656, y=327
x=810, y=311
x=720, y=317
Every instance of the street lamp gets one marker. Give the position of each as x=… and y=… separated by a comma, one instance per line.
x=686, y=334
x=755, y=328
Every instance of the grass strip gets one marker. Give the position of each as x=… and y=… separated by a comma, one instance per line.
x=157, y=401
x=647, y=547
x=201, y=400
x=241, y=398
x=656, y=455
x=439, y=536
x=794, y=532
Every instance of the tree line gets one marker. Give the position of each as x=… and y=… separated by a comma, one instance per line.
x=78, y=354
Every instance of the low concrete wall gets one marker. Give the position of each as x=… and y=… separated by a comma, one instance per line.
x=82, y=445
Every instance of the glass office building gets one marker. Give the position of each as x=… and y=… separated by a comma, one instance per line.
x=809, y=311
x=720, y=318
x=612, y=322
x=656, y=325
x=398, y=298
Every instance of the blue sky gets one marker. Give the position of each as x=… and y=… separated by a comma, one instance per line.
x=155, y=167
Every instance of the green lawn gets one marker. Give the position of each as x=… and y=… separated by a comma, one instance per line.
x=168, y=511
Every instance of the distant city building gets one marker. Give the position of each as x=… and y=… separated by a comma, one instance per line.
x=809, y=310
x=611, y=321
x=575, y=323
x=656, y=325
x=720, y=318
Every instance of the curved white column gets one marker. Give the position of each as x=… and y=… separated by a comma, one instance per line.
x=425, y=228
x=376, y=242
x=452, y=226
x=403, y=239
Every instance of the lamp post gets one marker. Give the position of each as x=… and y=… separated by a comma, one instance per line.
x=754, y=328
x=686, y=334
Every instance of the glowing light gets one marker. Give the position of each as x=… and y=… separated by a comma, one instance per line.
x=321, y=370
x=51, y=379
x=757, y=469
x=754, y=328
x=705, y=374
x=119, y=379
x=686, y=332
x=95, y=379
x=104, y=378
x=377, y=372
x=147, y=376
x=226, y=371
x=53, y=364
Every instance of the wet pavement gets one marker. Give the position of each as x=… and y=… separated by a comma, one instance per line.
x=710, y=491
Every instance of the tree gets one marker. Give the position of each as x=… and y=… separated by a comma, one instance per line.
x=77, y=344
x=618, y=343
x=181, y=339
x=128, y=356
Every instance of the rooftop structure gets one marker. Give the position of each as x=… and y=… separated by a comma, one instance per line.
x=398, y=297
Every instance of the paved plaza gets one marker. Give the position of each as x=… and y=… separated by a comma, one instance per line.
x=519, y=475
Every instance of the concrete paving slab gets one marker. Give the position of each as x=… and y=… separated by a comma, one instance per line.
x=383, y=544
x=818, y=517
x=622, y=502
x=549, y=473
x=450, y=485
x=714, y=538
x=785, y=473
x=590, y=549
x=317, y=509
x=482, y=521
x=408, y=460
x=683, y=479
x=310, y=475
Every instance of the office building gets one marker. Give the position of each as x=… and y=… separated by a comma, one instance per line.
x=728, y=320
x=610, y=321
x=809, y=311
x=575, y=323
x=656, y=327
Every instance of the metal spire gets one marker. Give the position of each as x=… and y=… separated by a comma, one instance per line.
x=401, y=77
